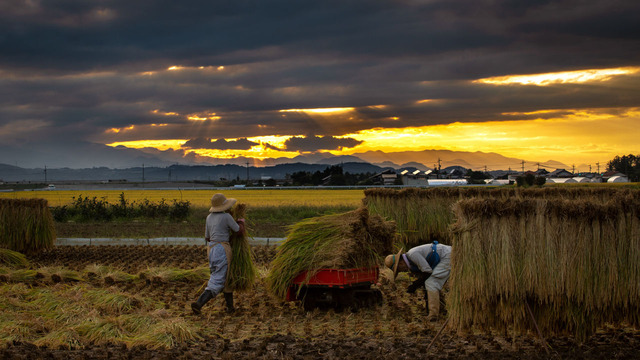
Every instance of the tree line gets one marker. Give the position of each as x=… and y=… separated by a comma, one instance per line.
x=626, y=164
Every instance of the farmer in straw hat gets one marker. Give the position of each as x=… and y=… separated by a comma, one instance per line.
x=218, y=224
x=431, y=264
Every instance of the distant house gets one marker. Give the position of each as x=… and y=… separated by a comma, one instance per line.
x=541, y=172
x=454, y=172
x=387, y=177
x=559, y=173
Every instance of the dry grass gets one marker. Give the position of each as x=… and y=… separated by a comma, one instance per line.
x=575, y=262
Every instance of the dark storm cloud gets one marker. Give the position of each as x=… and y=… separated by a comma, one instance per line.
x=77, y=69
x=314, y=143
x=219, y=144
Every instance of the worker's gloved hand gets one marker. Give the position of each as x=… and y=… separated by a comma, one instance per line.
x=418, y=283
x=412, y=288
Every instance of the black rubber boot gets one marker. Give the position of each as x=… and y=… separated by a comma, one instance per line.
x=203, y=299
x=228, y=298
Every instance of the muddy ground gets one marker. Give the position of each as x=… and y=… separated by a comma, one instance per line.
x=267, y=328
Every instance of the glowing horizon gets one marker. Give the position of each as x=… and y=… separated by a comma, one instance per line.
x=572, y=138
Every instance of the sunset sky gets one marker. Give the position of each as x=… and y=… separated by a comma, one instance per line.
x=119, y=82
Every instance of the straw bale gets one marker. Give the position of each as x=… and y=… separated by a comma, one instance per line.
x=575, y=262
x=26, y=225
x=349, y=240
x=242, y=272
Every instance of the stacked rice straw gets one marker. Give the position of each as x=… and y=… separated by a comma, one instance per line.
x=27, y=225
x=350, y=240
x=576, y=263
x=424, y=215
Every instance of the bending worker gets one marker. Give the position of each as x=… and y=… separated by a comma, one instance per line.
x=431, y=264
x=217, y=232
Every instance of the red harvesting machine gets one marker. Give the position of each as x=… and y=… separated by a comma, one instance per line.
x=337, y=288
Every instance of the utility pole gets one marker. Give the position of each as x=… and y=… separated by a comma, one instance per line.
x=538, y=166
x=589, y=168
x=573, y=169
x=45, y=174
x=598, y=164
x=439, y=167
x=522, y=167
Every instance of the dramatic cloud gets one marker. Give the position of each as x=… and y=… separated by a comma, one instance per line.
x=315, y=143
x=219, y=144
x=158, y=73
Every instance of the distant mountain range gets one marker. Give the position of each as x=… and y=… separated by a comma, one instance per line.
x=367, y=162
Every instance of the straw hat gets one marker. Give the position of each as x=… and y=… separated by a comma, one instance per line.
x=392, y=261
x=220, y=203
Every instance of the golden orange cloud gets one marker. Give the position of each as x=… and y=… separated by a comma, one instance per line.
x=564, y=77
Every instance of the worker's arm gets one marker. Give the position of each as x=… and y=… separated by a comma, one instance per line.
x=418, y=256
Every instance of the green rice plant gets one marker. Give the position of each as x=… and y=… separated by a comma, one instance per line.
x=349, y=240
x=12, y=258
x=27, y=225
x=242, y=271
x=574, y=262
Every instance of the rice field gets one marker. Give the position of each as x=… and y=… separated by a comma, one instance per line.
x=202, y=198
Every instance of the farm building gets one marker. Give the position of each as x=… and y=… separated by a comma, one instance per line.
x=618, y=179
x=582, y=179
x=610, y=174
x=415, y=178
x=561, y=181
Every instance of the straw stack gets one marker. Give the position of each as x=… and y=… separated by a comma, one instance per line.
x=350, y=240
x=576, y=263
x=424, y=215
x=242, y=272
x=26, y=225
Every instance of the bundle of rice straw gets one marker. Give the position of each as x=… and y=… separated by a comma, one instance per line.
x=342, y=241
x=575, y=263
x=27, y=225
x=242, y=272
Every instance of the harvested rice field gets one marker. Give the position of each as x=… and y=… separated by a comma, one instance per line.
x=124, y=302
